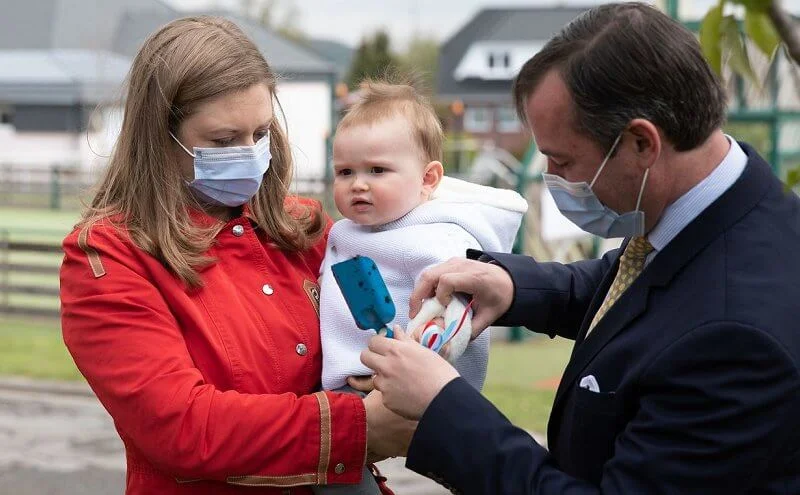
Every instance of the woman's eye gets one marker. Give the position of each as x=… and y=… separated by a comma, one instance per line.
x=224, y=141
x=260, y=135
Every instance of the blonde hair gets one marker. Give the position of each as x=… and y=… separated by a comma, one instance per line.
x=185, y=63
x=382, y=99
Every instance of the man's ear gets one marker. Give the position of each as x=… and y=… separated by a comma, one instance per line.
x=431, y=178
x=647, y=142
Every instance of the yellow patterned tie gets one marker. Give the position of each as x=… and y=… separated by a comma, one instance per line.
x=631, y=264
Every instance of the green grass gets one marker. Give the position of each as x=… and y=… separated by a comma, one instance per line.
x=522, y=378
x=55, y=222
x=34, y=348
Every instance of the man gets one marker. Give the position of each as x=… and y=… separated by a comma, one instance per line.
x=684, y=377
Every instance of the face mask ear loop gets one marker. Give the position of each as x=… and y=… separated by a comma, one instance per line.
x=641, y=190
x=605, y=160
x=181, y=145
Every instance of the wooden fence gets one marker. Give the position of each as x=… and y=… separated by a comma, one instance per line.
x=29, y=274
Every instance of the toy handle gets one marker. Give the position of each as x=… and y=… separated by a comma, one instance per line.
x=386, y=332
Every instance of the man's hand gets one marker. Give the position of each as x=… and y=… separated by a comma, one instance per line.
x=491, y=288
x=408, y=374
x=388, y=435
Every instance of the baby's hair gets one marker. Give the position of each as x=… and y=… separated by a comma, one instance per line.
x=391, y=96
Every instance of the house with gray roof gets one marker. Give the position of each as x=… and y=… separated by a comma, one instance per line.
x=478, y=64
x=61, y=59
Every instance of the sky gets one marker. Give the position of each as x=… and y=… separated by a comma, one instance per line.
x=350, y=20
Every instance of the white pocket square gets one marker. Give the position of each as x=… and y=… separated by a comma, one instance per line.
x=589, y=382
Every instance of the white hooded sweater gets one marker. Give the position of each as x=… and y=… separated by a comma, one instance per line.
x=459, y=215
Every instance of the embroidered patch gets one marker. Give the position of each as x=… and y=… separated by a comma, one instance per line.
x=312, y=291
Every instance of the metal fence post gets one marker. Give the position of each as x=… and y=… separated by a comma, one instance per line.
x=516, y=334
x=5, y=269
x=55, y=188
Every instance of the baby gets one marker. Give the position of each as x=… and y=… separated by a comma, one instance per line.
x=400, y=211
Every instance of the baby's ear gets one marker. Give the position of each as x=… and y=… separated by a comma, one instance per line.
x=434, y=171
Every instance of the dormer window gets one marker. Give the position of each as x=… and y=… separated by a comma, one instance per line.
x=501, y=60
x=495, y=60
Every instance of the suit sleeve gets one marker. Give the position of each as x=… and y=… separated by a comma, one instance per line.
x=717, y=408
x=550, y=298
x=126, y=342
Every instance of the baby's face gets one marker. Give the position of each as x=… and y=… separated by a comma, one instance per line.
x=379, y=171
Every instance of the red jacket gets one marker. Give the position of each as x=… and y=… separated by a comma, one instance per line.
x=214, y=388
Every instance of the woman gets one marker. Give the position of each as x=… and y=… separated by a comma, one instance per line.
x=189, y=296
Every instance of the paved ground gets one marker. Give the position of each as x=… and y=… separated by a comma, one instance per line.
x=57, y=439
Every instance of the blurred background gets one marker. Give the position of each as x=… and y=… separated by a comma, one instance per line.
x=62, y=68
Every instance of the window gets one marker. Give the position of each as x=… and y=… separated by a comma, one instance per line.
x=500, y=61
x=507, y=120
x=478, y=119
x=6, y=115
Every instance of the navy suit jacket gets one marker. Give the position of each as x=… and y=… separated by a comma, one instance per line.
x=697, y=366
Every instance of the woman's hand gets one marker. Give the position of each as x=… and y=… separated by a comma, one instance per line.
x=388, y=435
x=490, y=286
x=408, y=374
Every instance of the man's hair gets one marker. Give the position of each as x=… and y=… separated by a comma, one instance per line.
x=381, y=99
x=625, y=61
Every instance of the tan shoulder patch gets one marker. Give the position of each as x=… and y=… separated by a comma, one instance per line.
x=312, y=291
x=91, y=253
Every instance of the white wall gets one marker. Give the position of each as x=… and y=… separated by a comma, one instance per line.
x=40, y=149
x=43, y=150
x=307, y=106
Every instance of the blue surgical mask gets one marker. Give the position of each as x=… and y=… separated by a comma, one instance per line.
x=577, y=201
x=231, y=175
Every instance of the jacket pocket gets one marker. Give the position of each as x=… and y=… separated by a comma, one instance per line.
x=597, y=421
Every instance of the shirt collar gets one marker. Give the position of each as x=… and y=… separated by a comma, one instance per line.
x=681, y=212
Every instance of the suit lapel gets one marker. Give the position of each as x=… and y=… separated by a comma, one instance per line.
x=628, y=307
x=745, y=193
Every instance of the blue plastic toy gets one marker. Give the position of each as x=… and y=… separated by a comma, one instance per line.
x=366, y=294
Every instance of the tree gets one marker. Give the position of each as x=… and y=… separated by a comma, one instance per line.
x=281, y=16
x=422, y=57
x=767, y=25
x=373, y=59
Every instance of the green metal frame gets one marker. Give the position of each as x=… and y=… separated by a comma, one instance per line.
x=774, y=117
